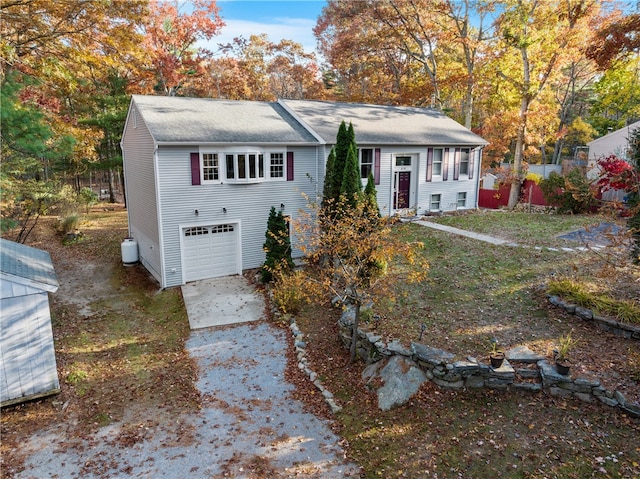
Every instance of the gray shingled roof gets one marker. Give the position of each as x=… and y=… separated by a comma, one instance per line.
x=27, y=265
x=201, y=120
x=383, y=125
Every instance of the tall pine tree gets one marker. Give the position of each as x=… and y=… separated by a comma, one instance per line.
x=277, y=246
x=343, y=141
x=351, y=188
x=327, y=196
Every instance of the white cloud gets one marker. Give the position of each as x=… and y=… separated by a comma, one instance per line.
x=300, y=30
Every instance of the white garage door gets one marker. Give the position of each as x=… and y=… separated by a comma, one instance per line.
x=210, y=251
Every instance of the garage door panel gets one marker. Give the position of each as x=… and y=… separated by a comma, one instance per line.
x=210, y=251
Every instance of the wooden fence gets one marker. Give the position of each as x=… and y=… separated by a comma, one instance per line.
x=498, y=198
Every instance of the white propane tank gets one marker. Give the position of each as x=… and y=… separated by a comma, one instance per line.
x=129, y=248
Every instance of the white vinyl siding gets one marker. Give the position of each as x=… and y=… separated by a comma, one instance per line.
x=449, y=189
x=246, y=204
x=140, y=190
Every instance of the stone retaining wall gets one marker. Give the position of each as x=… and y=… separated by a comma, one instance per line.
x=608, y=324
x=521, y=370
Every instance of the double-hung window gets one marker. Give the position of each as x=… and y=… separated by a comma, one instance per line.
x=464, y=161
x=366, y=162
x=437, y=161
x=210, y=167
x=276, y=165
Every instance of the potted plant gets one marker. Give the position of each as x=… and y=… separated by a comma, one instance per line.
x=496, y=356
x=561, y=355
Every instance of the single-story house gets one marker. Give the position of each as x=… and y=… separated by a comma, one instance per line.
x=202, y=174
x=27, y=355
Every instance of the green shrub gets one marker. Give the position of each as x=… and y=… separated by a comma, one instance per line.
x=87, y=197
x=277, y=247
x=570, y=194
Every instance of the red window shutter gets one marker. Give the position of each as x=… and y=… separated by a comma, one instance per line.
x=472, y=155
x=445, y=165
x=456, y=164
x=289, y=165
x=376, y=167
x=429, y=164
x=195, y=168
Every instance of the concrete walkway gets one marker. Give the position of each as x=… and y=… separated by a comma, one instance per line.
x=457, y=231
x=594, y=240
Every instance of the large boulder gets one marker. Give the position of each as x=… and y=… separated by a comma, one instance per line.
x=396, y=380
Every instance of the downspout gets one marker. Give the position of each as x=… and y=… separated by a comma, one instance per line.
x=477, y=198
x=317, y=171
x=158, y=215
x=124, y=173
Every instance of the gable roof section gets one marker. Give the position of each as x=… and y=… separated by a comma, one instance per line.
x=382, y=124
x=27, y=266
x=205, y=120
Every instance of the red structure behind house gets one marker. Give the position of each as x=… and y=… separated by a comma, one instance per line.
x=497, y=198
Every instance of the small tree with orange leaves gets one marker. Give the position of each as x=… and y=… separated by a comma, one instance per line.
x=356, y=256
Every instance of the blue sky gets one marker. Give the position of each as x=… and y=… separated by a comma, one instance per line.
x=282, y=19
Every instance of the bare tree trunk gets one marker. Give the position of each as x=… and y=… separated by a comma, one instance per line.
x=514, y=193
x=354, y=334
x=112, y=196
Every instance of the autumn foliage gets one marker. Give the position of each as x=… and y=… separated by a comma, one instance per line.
x=617, y=174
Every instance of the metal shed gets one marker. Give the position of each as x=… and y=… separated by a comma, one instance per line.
x=27, y=355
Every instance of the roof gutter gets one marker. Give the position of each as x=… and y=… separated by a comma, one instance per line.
x=236, y=143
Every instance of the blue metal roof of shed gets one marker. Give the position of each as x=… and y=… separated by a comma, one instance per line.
x=27, y=265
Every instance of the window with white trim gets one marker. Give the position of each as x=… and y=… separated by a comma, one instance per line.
x=464, y=161
x=244, y=167
x=365, y=156
x=210, y=167
x=435, y=202
x=276, y=165
x=438, y=153
x=462, y=199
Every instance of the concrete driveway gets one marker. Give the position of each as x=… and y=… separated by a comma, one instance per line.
x=249, y=426
x=247, y=402
x=222, y=301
